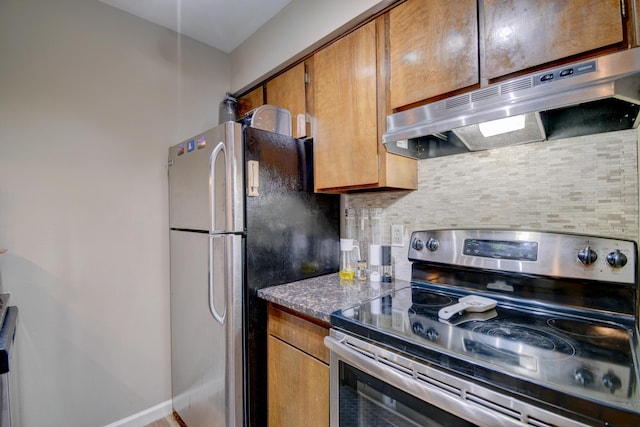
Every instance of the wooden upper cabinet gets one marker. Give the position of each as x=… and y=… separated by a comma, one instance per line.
x=348, y=103
x=345, y=112
x=433, y=49
x=287, y=90
x=250, y=100
x=522, y=34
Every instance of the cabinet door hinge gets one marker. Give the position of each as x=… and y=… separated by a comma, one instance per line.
x=306, y=75
x=623, y=8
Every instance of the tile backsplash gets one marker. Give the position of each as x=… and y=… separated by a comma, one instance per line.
x=586, y=185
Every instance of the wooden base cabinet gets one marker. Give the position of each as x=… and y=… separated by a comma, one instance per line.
x=298, y=370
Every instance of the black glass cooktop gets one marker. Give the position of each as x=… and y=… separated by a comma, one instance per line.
x=524, y=349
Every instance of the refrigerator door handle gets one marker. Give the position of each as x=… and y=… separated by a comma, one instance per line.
x=220, y=318
x=215, y=187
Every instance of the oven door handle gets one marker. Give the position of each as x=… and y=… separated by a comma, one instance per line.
x=367, y=363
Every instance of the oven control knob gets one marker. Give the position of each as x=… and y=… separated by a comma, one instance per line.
x=617, y=259
x=432, y=244
x=417, y=328
x=611, y=382
x=583, y=376
x=418, y=244
x=587, y=256
x=432, y=334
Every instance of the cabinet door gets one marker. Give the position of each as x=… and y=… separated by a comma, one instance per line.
x=298, y=370
x=519, y=34
x=250, y=100
x=288, y=91
x=345, y=115
x=433, y=49
x=298, y=387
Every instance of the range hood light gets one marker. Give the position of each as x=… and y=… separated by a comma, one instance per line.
x=500, y=126
x=520, y=130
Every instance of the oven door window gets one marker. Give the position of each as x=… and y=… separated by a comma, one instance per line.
x=367, y=401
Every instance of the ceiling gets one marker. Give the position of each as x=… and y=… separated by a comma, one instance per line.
x=223, y=24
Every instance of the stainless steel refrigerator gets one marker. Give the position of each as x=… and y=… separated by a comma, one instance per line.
x=243, y=216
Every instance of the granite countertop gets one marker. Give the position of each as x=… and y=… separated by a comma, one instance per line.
x=318, y=297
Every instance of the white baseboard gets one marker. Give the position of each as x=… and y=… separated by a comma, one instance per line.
x=145, y=417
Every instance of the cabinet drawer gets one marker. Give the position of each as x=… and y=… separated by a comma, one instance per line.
x=301, y=333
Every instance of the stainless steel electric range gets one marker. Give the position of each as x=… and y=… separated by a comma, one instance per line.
x=541, y=329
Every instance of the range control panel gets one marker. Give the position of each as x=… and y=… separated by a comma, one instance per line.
x=499, y=249
x=529, y=252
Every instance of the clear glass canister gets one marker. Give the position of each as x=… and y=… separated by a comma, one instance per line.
x=349, y=255
x=363, y=232
x=349, y=231
x=375, y=218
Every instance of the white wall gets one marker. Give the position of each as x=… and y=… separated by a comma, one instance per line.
x=90, y=100
x=301, y=27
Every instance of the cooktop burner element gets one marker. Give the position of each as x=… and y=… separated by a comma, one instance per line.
x=523, y=335
x=564, y=331
x=586, y=329
x=426, y=301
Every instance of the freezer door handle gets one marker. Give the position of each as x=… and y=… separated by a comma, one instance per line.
x=212, y=271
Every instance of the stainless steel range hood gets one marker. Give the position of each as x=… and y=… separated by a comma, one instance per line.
x=586, y=97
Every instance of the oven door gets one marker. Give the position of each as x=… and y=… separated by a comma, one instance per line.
x=366, y=400
x=370, y=385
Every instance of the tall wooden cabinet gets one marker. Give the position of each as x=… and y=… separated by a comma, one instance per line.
x=298, y=370
x=349, y=105
x=345, y=118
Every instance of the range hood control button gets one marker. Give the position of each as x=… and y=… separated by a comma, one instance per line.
x=546, y=77
x=587, y=256
x=432, y=244
x=566, y=72
x=418, y=244
x=617, y=259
